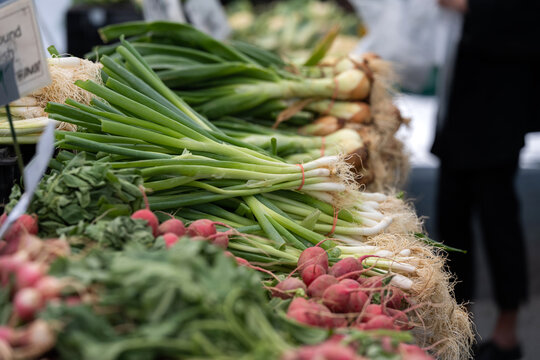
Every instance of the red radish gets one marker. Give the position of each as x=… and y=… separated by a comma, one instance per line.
x=336, y=297
x=24, y=224
x=395, y=299
x=371, y=311
x=319, y=285
x=357, y=301
x=202, y=227
x=174, y=226
x=146, y=214
x=336, y=351
x=379, y=322
x=149, y=217
x=222, y=241
x=39, y=335
x=49, y=287
x=312, y=272
x=401, y=320
x=29, y=274
x=346, y=266
x=3, y=218
x=298, y=303
x=313, y=255
x=33, y=245
x=310, y=313
x=374, y=283
x=287, y=288
x=328, y=350
x=350, y=284
x=7, y=334
x=412, y=352
x=26, y=302
x=170, y=239
x=9, y=264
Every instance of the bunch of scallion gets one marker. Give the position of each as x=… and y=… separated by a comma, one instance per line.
x=191, y=166
x=220, y=79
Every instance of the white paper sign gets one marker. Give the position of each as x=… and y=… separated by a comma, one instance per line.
x=208, y=16
x=33, y=173
x=163, y=10
x=23, y=64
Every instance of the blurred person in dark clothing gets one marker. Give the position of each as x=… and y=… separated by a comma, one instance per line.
x=492, y=103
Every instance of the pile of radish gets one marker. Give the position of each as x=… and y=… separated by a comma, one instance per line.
x=336, y=348
x=341, y=295
x=29, y=288
x=173, y=229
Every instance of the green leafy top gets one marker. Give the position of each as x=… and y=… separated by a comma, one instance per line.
x=82, y=191
x=190, y=301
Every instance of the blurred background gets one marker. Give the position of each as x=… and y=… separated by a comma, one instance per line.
x=416, y=42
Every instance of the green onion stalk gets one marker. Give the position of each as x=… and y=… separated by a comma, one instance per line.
x=289, y=145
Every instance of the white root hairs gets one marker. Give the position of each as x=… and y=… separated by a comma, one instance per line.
x=64, y=73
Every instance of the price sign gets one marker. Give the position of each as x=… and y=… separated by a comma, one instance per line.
x=23, y=65
x=208, y=16
x=163, y=10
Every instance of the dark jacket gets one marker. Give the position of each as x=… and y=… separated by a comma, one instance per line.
x=494, y=97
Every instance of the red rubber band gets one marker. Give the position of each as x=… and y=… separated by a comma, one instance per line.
x=323, y=145
x=303, y=177
x=334, y=224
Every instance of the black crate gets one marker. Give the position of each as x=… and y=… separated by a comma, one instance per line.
x=83, y=22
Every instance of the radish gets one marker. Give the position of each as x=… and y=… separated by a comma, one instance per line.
x=336, y=298
x=313, y=255
x=375, y=283
x=174, y=226
x=379, y=322
x=328, y=350
x=288, y=288
x=346, y=266
x=33, y=245
x=412, y=352
x=3, y=218
x=170, y=239
x=146, y=214
x=401, y=321
x=371, y=311
x=202, y=227
x=24, y=224
x=49, y=287
x=350, y=284
x=39, y=336
x=298, y=303
x=7, y=334
x=336, y=351
x=312, y=272
x=395, y=299
x=310, y=313
x=222, y=240
x=28, y=274
x=149, y=217
x=357, y=301
x=26, y=302
x=319, y=285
